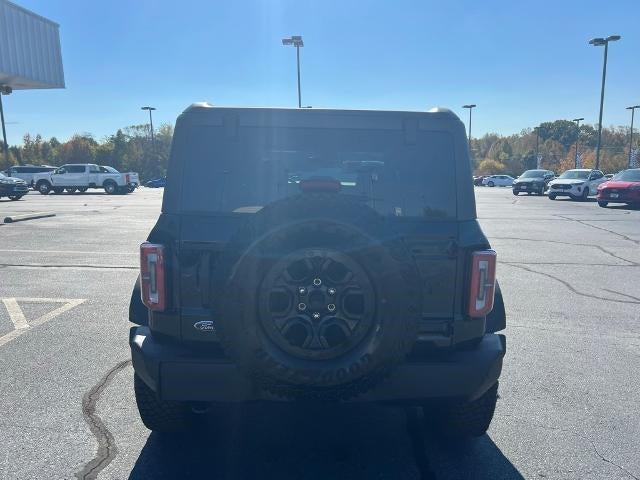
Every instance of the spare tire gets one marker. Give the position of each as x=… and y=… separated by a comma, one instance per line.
x=317, y=298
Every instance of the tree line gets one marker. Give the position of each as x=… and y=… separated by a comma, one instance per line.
x=513, y=154
x=130, y=149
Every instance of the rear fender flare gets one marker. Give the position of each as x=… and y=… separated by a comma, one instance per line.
x=497, y=318
x=138, y=313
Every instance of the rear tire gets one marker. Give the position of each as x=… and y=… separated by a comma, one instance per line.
x=14, y=198
x=465, y=420
x=552, y=196
x=110, y=187
x=603, y=204
x=160, y=415
x=515, y=193
x=43, y=187
x=491, y=184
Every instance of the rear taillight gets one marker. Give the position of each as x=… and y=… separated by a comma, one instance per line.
x=483, y=282
x=126, y=178
x=152, y=276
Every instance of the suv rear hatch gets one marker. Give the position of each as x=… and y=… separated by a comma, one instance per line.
x=226, y=164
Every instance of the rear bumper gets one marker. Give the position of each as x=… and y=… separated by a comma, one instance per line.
x=176, y=373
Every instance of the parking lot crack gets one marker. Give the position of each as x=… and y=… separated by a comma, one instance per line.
x=107, y=449
x=621, y=235
x=586, y=438
x=572, y=244
x=622, y=294
x=611, y=462
x=572, y=288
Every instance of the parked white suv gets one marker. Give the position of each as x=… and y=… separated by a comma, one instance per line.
x=82, y=176
x=578, y=184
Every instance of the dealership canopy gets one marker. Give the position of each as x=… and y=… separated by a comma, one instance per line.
x=30, y=55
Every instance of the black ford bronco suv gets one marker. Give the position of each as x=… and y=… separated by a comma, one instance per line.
x=317, y=255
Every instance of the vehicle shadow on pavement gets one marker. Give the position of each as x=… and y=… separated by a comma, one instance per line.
x=314, y=442
x=478, y=459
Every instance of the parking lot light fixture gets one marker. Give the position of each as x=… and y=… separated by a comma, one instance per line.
x=296, y=41
x=577, y=120
x=150, y=109
x=599, y=42
x=633, y=109
x=470, y=106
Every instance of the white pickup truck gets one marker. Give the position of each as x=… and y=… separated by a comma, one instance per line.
x=79, y=177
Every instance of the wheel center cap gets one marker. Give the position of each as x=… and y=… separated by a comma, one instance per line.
x=316, y=304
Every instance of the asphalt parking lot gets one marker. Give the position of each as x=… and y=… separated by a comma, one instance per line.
x=568, y=405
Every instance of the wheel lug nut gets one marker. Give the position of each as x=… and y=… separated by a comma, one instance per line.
x=331, y=291
x=331, y=307
x=316, y=315
x=302, y=290
x=302, y=307
x=317, y=282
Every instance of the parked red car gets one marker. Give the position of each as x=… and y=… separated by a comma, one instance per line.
x=624, y=187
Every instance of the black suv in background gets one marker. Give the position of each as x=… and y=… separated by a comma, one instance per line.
x=14, y=188
x=533, y=181
x=318, y=256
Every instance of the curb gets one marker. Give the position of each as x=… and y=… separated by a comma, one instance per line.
x=28, y=216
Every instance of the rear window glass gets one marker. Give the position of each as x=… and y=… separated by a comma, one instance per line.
x=381, y=168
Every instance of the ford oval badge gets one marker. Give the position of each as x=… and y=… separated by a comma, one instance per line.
x=205, y=326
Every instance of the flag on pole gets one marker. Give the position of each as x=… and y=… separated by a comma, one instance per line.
x=633, y=158
x=579, y=160
x=539, y=164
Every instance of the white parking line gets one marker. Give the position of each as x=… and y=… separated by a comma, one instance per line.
x=20, y=321
x=15, y=313
x=73, y=252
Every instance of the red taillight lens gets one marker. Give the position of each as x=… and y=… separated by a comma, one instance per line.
x=152, y=276
x=483, y=282
x=126, y=178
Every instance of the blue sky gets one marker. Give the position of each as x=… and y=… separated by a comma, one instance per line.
x=521, y=63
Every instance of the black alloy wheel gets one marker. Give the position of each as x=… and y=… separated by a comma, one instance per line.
x=317, y=304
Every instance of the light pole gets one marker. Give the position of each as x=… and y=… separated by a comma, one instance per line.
x=5, y=146
x=598, y=42
x=151, y=109
x=470, y=107
x=577, y=120
x=296, y=41
x=633, y=111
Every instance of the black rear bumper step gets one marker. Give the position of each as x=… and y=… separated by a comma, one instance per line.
x=176, y=373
